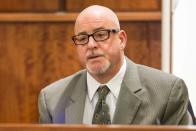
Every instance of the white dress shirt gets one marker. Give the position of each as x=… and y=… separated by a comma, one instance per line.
x=92, y=96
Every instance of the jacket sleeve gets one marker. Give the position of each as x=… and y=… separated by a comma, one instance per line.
x=44, y=115
x=176, y=111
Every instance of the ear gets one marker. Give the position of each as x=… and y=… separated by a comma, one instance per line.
x=123, y=39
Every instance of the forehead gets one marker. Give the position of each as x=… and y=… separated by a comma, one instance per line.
x=90, y=22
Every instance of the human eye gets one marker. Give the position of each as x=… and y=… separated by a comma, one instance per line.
x=102, y=34
x=81, y=38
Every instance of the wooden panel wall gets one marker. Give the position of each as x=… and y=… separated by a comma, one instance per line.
x=29, y=5
x=34, y=53
x=118, y=5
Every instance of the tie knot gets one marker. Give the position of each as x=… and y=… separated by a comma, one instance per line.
x=103, y=91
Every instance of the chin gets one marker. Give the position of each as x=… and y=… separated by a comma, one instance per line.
x=98, y=69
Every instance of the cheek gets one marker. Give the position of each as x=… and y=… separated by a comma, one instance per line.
x=113, y=49
x=81, y=55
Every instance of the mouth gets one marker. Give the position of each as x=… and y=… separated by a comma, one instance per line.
x=94, y=56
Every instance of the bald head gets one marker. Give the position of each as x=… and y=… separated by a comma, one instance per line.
x=96, y=13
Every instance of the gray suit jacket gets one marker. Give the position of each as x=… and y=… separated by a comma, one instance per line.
x=147, y=96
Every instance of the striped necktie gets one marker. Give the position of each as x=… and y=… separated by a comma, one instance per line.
x=101, y=113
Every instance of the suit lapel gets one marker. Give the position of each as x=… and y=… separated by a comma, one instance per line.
x=75, y=109
x=128, y=102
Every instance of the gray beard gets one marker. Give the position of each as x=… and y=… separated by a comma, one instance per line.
x=99, y=71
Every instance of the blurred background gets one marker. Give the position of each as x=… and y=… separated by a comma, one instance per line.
x=183, y=44
x=36, y=47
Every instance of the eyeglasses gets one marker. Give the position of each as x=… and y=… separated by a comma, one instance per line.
x=100, y=35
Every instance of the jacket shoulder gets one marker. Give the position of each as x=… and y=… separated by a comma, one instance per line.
x=60, y=86
x=152, y=74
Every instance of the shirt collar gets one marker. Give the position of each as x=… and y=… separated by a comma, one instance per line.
x=114, y=84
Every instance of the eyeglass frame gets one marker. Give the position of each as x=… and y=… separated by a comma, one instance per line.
x=92, y=34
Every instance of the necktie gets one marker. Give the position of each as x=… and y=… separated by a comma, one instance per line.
x=101, y=113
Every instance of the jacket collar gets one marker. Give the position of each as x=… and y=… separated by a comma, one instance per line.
x=74, y=111
x=128, y=101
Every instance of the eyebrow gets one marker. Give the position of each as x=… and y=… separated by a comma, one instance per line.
x=94, y=30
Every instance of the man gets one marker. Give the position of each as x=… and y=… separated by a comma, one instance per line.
x=137, y=94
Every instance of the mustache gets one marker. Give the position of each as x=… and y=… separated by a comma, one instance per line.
x=93, y=54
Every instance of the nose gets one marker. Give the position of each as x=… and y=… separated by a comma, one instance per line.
x=91, y=43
